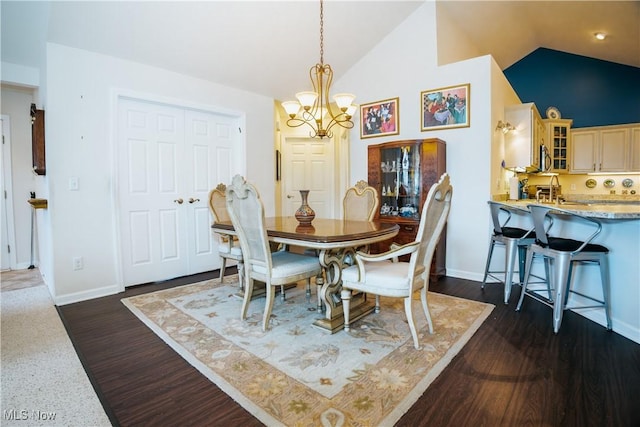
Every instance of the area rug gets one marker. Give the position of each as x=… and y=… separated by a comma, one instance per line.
x=298, y=375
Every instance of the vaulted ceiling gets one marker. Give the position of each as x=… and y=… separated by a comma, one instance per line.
x=267, y=46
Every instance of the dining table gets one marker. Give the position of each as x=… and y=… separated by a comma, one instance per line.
x=335, y=241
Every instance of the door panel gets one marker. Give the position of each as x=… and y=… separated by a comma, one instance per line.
x=308, y=165
x=210, y=140
x=150, y=136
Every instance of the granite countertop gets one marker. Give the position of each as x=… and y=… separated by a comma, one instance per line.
x=611, y=209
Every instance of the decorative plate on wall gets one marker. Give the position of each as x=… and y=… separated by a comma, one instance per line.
x=627, y=183
x=553, y=113
x=591, y=183
x=609, y=183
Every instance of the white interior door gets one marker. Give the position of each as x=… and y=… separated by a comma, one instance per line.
x=152, y=209
x=210, y=140
x=308, y=164
x=6, y=223
x=168, y=160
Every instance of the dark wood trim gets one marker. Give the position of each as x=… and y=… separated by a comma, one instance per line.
x=37, y=141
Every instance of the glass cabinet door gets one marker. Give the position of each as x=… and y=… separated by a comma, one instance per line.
x=559, y=144
x=400, y=185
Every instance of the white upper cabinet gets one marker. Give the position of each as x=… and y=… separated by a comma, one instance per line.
x=635, y=149
x=583, y=156
x=614, y=150
x=606, y=149
x=522, y=145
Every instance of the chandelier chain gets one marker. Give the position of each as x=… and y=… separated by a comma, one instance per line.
x=314, y=109
x=321, y=33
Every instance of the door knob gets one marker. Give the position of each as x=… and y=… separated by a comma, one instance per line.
x=192, y=200
x=178, y=201
x=289, y=196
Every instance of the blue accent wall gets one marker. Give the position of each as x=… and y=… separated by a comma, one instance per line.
x=589, y=91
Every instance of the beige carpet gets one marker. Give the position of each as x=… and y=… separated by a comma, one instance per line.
x=298, y=375
x=43, y=381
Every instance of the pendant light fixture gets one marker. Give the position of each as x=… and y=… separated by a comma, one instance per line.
x=313, y=107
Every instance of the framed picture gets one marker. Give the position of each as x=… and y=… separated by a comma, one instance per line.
x=379, y=118
x=445, y=108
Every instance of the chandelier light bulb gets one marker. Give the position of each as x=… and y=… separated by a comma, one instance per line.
x=291, y=107
x=343, y=100
x=307, y=99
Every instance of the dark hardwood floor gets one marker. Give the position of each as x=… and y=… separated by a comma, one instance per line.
x=513, y=372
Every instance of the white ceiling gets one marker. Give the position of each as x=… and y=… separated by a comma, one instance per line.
x=267, y=47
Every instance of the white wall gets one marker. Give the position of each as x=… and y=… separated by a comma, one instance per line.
x=403, y=65
x=80, y=105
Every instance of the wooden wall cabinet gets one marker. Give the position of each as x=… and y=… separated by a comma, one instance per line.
x=403, y=172
x=522, y=147
x=635, y=148
x=37, y=140
x=606, y=149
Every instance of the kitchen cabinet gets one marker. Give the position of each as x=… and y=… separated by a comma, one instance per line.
x=403, y=172
x=558, y=143
x=583, y=157
x=634, y=147
x=522, y=146
x=606, y=149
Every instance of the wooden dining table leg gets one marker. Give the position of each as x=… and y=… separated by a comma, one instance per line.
x=332, y=261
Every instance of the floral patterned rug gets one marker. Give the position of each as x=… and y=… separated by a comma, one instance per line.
x=298, y=375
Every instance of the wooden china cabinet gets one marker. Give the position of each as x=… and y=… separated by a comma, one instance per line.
x=403, y=172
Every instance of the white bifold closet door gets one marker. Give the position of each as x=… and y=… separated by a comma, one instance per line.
x=168, y=159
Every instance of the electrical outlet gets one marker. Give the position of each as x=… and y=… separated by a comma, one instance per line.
x=78, y=263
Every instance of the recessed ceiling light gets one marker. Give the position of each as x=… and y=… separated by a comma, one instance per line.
x=600, y=36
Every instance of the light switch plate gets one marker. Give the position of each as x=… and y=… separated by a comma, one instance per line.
x=73, y=183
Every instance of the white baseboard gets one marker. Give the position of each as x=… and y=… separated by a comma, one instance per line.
x=86, y=295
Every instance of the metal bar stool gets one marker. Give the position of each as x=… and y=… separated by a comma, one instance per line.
x=564, y=252
x=515, y=241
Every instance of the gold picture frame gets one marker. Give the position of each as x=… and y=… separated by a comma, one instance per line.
x=380, y=118
x=445, y=108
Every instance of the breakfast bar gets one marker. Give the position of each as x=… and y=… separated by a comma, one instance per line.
x=621, y=234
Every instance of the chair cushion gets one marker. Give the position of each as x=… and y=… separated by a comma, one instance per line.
x=570, y=245
x=515, y=232
x=382, y=278
x=285, y=264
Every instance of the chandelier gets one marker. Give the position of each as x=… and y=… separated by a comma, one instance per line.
x=313, y=107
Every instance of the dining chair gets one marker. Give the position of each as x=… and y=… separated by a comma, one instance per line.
x=565, y=252
x=246, y=211
x=228, y=246
x=360, y=202
x=383, y=275
x=515, y=241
